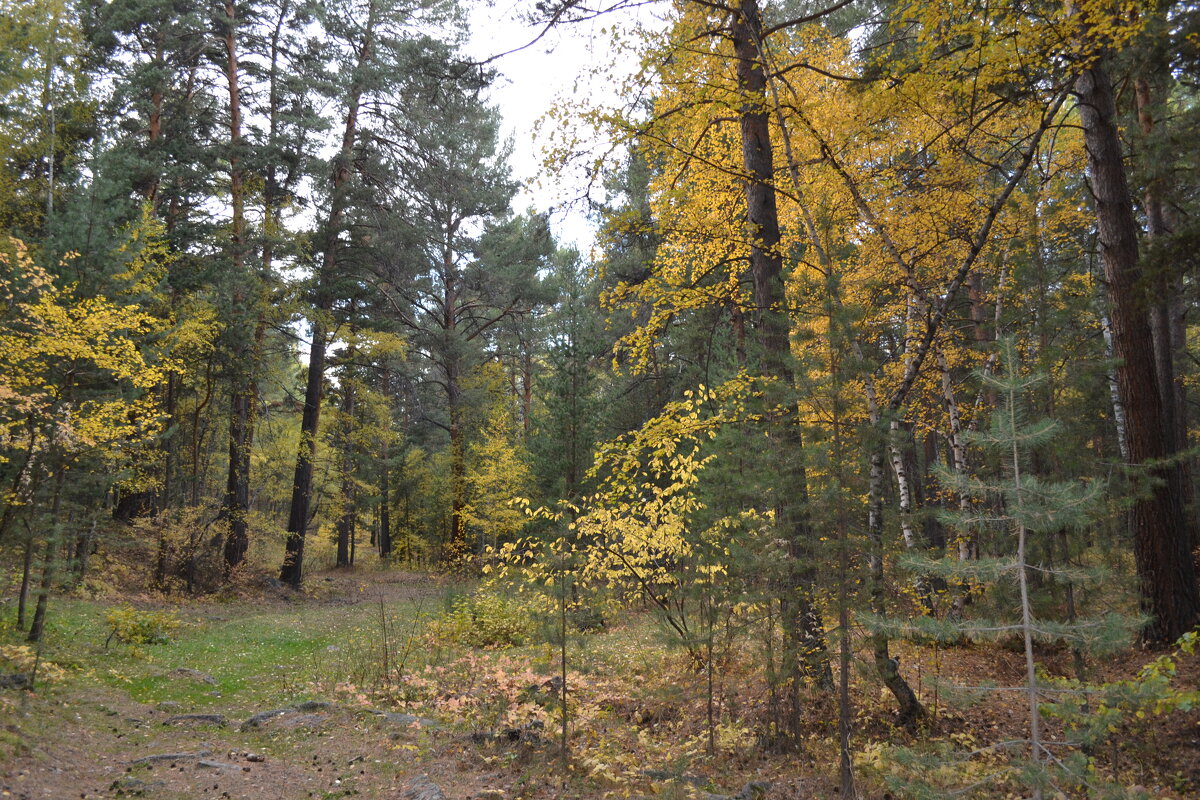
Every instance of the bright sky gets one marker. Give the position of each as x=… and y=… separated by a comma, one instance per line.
x=530, y=82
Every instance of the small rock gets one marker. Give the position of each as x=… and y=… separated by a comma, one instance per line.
x=313, y=705
x=262, y=716
x=17, y=680
x=303, y=721
x=193, y=674
x=202, y=719
x=127, y=785
x=422, y=789
x=169, y=705
x=171, y=757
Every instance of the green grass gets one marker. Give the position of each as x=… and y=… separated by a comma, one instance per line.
x=260, y=657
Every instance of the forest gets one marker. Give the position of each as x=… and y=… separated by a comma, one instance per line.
x=856, y=456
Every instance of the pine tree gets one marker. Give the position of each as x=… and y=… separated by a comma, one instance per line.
x=1016, y=517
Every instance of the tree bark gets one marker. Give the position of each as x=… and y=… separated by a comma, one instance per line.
x=456, y=546
x=293, y=559
x=26, y=575
x=1168, y=323
x=236, y=503
x=51, y=561
x=806, y=654
x=346, y=522
x=1161, y=535
x=385, y=509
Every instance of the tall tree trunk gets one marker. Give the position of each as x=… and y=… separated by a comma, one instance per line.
x=456, y=546
x=346, y=522
x=1114, y=390
x=170, y=494
x=385, y=508
x=49, y=567
x=1168, y=311
x=236, y=503
x=293, y=559
x=26, y=577
x=1161, y=537
x=526, y=388
x=806, y=649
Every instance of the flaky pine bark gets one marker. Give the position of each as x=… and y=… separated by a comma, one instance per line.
x=1161, y=537
x=1166, y=310
x=1168, y=323
x=801, y=622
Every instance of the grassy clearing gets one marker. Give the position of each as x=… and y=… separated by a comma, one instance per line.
x=260, y=655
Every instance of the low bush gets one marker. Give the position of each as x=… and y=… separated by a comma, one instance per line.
x=485, y=620
x=133, y=626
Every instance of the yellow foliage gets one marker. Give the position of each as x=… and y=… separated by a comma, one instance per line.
x=50, y=340
x=21, y=658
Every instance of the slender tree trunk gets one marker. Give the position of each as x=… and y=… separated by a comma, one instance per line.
x=50, y=565
x=236, y=503
x=897, y=448
x=26, y=576
x=1114, y=391
x=293, y=559
x=1161, y=535
x=385, y=508
x=910, y=707
x=911, y=711
x=346, y=523
x=456, y=546
x=526, y=388
x=154, y=130
x=85, y=543
x=170, y=445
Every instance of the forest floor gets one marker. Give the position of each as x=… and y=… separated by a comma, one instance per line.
x=341, y=691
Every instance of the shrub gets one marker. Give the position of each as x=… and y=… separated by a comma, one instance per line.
x=19, y=659
x=132, y=626
x=485, y=619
